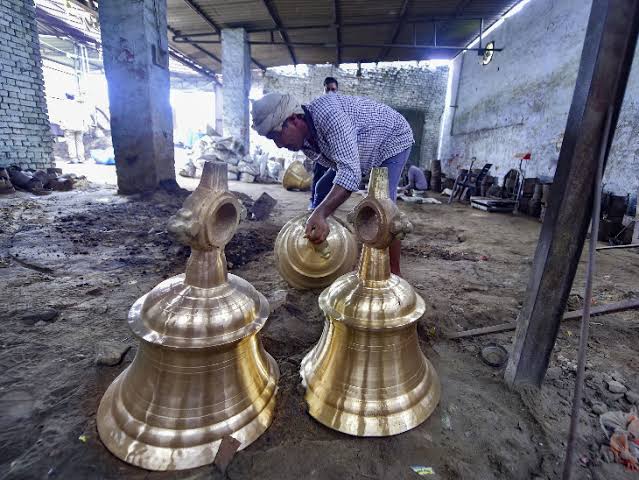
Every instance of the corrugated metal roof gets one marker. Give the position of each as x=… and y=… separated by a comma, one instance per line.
x=454, y=28
x=384, y=22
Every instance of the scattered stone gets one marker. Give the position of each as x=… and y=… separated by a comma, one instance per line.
x=599, y=408
x=263, y=207
x=616, y=387
x=226, y=452
x=606, y=454
x=446, y=422
x=247, y=177
x=277, y=299
x=632, y=397
x=110, y=354
x=554, y=373
x=31, y=317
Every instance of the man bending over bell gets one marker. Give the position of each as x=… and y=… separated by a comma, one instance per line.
x=353, y=134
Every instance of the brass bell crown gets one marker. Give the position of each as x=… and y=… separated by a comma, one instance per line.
x=367, y=375
x=306, y=265
x=296, y=177
x=200, y=373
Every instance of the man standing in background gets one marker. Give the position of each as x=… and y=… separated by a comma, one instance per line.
x=322, y=176
x=74, y=124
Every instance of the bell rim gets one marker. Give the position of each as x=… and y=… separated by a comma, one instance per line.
x=105, y=420
x=322, y=412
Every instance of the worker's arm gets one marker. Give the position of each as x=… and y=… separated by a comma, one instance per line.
x=316, y=225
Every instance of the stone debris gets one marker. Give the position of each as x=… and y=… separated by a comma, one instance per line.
x=632, y=397
x=248, y=168
x=39, y=182
x=599, y=408
x=616, y=387
x=110, y=354
x=42, y=314
x=263, y=207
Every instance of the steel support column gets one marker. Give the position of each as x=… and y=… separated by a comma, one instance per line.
x=606, y=59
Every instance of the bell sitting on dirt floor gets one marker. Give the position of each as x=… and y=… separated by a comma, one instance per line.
x=296, y=177
x=201, y=373
x=367, y=375
x=305, y=265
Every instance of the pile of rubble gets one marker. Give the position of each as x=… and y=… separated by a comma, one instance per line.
x=39, y=182
x=258, y=167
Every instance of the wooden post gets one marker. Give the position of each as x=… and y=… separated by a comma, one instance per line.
x=606, y=59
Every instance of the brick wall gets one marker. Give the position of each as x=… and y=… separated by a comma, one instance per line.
x=24, y=125
x=417, y=88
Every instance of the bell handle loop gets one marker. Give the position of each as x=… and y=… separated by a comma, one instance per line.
x=323, y=249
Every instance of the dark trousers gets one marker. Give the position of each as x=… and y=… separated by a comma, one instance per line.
x=323, y=178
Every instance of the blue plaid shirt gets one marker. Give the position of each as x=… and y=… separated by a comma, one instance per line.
x=355, y=134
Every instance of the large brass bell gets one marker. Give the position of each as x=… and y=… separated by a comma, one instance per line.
x=306, y=265
x=201, y=373
x=367, y=375
x=296, y=177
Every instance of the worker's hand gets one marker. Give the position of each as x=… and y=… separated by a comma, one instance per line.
x=317, y=227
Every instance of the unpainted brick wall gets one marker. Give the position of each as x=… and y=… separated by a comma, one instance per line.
x=407, y=87
x=25, y=137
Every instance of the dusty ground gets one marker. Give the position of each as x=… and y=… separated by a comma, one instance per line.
x=89, y=254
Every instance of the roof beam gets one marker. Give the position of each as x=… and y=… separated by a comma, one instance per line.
x=196, y=46
x=338, y=32
x=197, y=9
x=186, y=61
x=278, y=23
x=402, y=16
x=215, y=26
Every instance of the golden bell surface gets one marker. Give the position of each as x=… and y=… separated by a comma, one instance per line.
x=367, y=375
x=306, y=265
x=296, y=177
x=200, y=373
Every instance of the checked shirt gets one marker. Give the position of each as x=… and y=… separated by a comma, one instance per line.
x=355, y=134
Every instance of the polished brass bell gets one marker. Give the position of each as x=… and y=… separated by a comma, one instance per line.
x=200, y=373
x=296, y=177
x=307, y=265
x=367, y=375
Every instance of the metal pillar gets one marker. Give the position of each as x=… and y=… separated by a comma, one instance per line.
x=606, y=59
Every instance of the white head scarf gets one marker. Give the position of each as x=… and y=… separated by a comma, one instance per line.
x=270, y=111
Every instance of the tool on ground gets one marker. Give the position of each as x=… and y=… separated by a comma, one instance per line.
x=367, y=375
x=623, y=306
x=200, y=374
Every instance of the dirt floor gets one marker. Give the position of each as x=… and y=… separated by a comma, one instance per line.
x=73, y=263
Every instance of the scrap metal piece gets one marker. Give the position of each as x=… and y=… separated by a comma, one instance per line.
x=296, y=177
x=200, y=373
x=305, y=265
x=367, y=375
